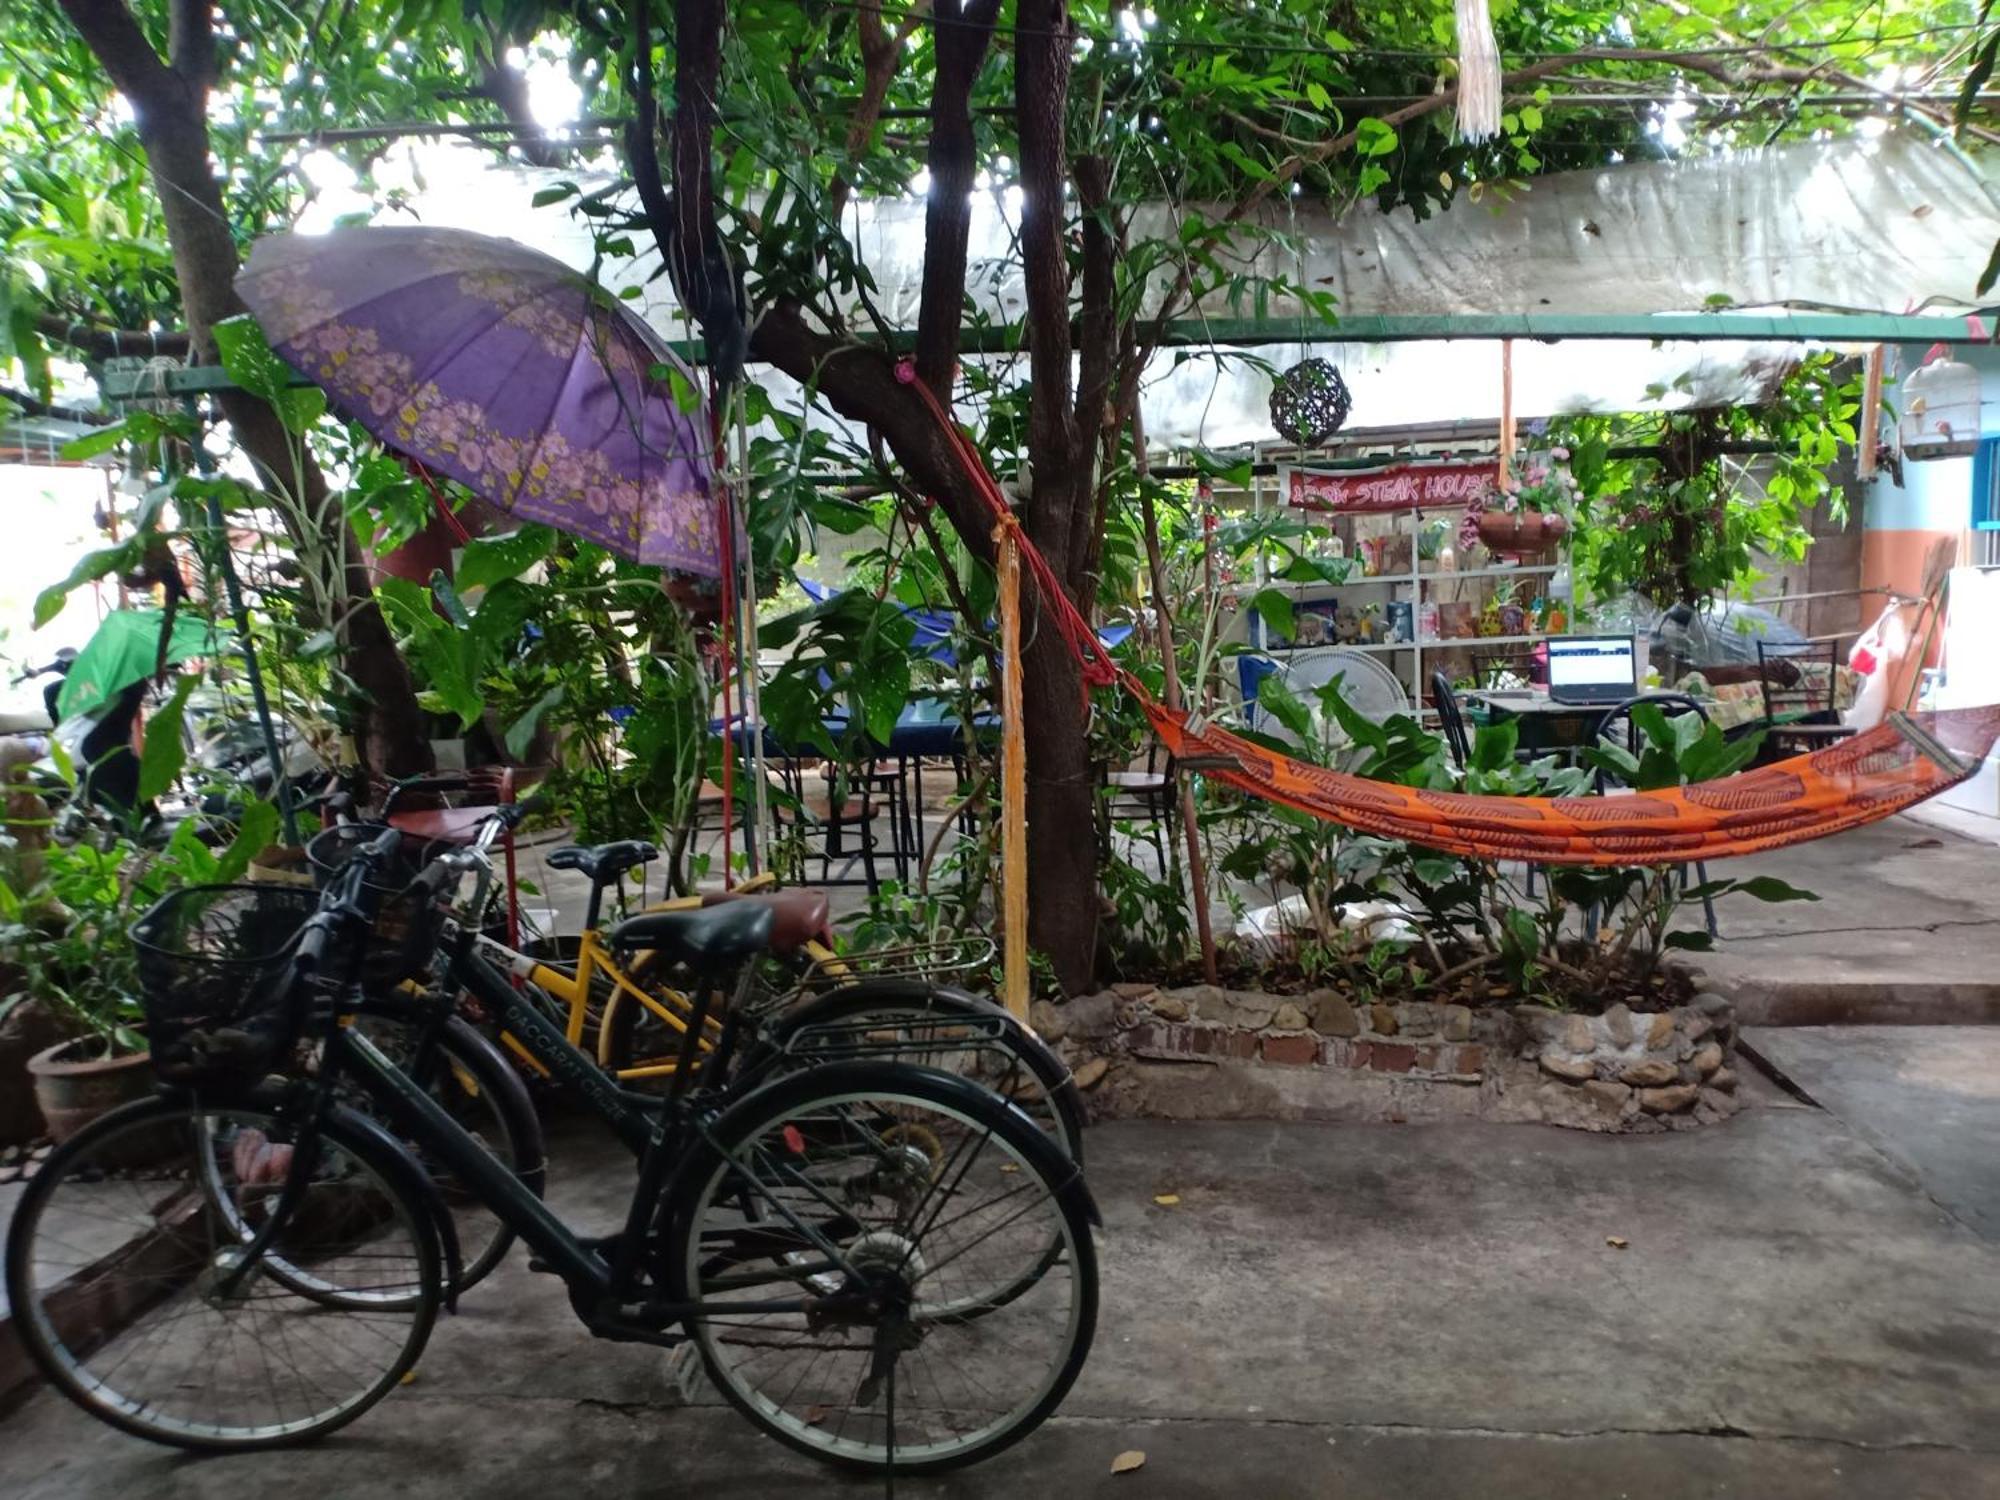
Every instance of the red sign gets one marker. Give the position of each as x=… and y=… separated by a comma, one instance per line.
x=1396, y=487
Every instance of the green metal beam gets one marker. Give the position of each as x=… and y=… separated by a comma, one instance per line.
x=1384, y=328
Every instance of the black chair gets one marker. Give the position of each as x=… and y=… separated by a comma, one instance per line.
x=1144, y=796
x=1619, y=728
x=1445, y=701
x=1799, y=683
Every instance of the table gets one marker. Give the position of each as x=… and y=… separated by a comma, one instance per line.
x=1545, y=725
x=927, y=729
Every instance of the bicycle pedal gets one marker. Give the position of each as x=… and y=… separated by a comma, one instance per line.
x=687, y=1378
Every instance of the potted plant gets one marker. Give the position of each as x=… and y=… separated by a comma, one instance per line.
x=1529, y=516
x=69, y=960
x=64, y=922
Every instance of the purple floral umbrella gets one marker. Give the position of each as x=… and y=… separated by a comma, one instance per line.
x=506, y=370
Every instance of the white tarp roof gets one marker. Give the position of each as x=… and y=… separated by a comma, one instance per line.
x=1888, y=224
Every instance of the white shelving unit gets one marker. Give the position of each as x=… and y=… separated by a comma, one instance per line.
x=1416, y=585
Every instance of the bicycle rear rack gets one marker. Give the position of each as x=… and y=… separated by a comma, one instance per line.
x=954, y=955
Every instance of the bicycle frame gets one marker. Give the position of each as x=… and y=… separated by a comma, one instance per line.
x=601, y=1289
x=573, y=992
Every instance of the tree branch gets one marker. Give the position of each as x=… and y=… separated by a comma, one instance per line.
x=1042, y=44
x=960, y=49
x=880, y=50
x=101, y=341
x=35, y=407
x=191, y=42
x=113, y=36
x=506, y=86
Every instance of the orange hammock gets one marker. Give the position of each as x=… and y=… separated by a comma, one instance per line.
x=1854, y=781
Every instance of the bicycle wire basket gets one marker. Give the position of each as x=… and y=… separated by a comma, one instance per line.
x=211, y=961
x=406, y=920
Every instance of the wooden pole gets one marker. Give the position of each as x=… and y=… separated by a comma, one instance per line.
x=1013, y=777
x=1507, y=415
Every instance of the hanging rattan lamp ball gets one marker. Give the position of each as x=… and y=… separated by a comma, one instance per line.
x=1310, y=403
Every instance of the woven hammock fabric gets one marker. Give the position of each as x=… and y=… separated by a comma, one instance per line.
x=1849, y=783
x=1854, y=781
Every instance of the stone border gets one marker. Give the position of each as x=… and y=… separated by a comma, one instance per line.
x=1204, y=1052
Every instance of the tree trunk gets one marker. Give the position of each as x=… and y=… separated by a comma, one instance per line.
x=169, y=102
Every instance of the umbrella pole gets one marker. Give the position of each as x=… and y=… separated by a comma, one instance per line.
x=758, y=831
x=281, y=789
x=1013, y=778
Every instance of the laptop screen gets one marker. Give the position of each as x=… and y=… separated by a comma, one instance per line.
x=1591, y=667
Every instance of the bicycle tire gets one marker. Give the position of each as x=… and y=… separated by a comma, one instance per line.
x=1054, y=1098
x=463, y=1063
x=732, y=1143
x=154, y=1121
x=1058, y=1107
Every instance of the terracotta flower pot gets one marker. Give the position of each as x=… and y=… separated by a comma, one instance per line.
x=1521, y=530
x=27, y=1030
x=73, y=1085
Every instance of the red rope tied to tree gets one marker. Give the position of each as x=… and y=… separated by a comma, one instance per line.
x=1099, y=670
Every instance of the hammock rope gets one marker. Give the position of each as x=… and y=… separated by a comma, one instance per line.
x=1852, y=782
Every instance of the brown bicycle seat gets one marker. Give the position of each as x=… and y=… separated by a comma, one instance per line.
x=797, y=917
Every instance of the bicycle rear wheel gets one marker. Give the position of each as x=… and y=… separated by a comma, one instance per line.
x=887, y=1200
x=124, y=1280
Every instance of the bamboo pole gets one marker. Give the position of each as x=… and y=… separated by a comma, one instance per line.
x=1013, y=776
x=1869, y=429
x=1169, y=659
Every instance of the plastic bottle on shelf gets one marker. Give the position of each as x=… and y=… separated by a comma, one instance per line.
x=1560, y=599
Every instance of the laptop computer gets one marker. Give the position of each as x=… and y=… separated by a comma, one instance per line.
x=1592, y=668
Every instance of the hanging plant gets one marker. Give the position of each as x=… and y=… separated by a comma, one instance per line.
x=1310, y=403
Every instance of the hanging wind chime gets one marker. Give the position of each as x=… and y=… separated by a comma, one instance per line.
x=1478, y=72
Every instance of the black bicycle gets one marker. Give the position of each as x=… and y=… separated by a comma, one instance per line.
x=836, y=1240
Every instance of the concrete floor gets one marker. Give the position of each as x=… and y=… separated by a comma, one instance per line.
x=1904, y=931
x=1368, y=1310
x=1926, y=1096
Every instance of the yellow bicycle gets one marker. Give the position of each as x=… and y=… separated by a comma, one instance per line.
x=829, y=1005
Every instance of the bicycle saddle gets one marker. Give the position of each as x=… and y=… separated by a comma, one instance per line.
x=797, y=917
x=701, y=937
x=603, y=862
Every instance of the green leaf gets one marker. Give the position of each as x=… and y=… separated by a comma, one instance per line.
x=1493, y=745
x=1275, y=608
x=522, y=730
x=1991, y=274
x=91, y=444
x=255, y=366
x=64, y=762
x=883, y=692
x=1520, y=932
x=1372, y=180
x=1278, y=700
x=1435, y=869
x=1358, y=728
x=1373, y=137
x=555, y=194
x=488, y=559
x=254, y=834
x=94, y=565
x=165, y=751
x=1771, y=888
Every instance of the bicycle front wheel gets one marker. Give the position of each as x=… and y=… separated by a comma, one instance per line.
x=867, y=1244
x=138, y=1300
